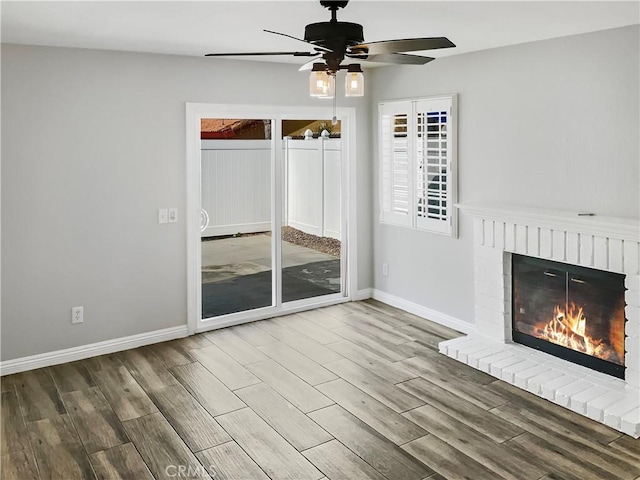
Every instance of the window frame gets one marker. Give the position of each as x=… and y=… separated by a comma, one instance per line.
x=391, y=190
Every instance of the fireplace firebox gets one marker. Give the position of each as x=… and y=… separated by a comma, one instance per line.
x=572, y=312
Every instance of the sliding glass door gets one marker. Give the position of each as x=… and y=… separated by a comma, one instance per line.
x=270, y=214
x=311, y=226
x=237, y=218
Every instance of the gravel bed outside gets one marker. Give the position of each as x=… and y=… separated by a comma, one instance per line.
x=330, y=246
x=327, y=245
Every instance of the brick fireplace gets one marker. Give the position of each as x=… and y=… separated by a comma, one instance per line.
x=600, y=244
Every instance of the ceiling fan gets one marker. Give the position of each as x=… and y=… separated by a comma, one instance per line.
x=333, y=42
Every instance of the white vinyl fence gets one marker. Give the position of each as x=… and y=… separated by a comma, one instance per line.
x=236, y=186
x=312, y=176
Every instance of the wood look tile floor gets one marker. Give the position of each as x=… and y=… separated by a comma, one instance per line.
x=353, y=391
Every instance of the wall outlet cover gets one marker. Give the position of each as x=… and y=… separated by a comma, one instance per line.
x=77, y=315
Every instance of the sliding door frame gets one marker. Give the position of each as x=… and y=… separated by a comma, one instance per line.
x=197, y=111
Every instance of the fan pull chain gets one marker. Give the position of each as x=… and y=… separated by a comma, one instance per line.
x=334, y=120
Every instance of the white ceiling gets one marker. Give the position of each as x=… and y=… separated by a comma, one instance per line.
x=196, y=28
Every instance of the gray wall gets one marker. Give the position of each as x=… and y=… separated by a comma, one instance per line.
x=93, y=143
x=551, y=124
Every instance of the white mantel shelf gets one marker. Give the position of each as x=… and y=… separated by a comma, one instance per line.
x=605, y=243
x=612, y=227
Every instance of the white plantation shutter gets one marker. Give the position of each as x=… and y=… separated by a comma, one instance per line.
x=418, y=163
x=395, y=168
x=434, y=165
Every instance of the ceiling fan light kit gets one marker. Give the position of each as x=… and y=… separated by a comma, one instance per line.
x=321, y=85
x=334, y=42
x=354, y=81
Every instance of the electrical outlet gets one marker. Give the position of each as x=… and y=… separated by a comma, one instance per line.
x=385, y=269
x=77, y=315
x=173, y=215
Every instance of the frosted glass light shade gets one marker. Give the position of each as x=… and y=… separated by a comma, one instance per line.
x=320, y=84
x=354, y=84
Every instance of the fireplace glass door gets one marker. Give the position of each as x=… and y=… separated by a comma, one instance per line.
x=572, y=312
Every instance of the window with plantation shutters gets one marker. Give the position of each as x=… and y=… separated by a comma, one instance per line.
x=417, y=163
x=433, y=165
x=395, y=168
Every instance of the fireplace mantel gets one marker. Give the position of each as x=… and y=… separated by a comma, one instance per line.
x=612, y=227
x=604, y=243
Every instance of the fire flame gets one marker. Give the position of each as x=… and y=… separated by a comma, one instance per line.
x=568, y=328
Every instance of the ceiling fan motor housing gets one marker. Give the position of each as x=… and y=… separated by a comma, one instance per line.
x=333, y=4
x=334, y=34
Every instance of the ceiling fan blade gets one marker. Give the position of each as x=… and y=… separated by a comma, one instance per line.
x=357, y=56
x=248, y=54
x=317, y=47
x=309, y=64
x=399, y=59
x=406, y=45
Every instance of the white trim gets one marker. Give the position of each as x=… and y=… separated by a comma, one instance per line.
x=192, y=215
x=263, y=313
x=92, y=350
x=349, y=213
x=363, y=294
x=424, y=312
x=277, y=159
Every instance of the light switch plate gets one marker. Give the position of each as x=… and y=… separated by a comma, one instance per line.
x=162, y=215
x=173, y=215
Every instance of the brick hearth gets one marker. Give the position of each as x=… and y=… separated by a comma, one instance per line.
x=604, y=243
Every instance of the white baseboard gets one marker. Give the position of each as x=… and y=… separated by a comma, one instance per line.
x=363, y=294
x=424, y=312
x=92, y=350
x=119, y=344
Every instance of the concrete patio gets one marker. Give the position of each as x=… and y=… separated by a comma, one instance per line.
x=236, y=274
